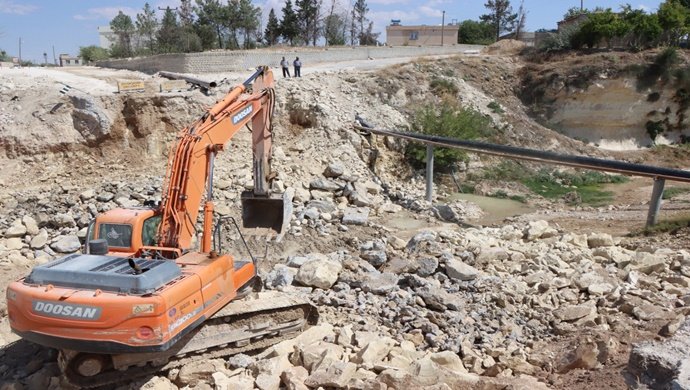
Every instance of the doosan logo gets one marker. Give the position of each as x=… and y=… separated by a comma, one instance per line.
x=237, y=118
x=64, y=310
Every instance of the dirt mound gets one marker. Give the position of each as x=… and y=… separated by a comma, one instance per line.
x=506, y=46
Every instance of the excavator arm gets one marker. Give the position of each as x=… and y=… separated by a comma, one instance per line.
x=189, y=175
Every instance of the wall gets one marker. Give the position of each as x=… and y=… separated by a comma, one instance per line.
x=226, y=61
x=426, y=36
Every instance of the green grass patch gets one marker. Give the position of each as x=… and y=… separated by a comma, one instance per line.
x=671, y=226
x=554, y=184
x=672, y=192
x=500, y=194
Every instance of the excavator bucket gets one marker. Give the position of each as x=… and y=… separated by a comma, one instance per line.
x=267, y=212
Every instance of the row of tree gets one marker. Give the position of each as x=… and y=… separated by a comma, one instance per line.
x=630, y=27
x=234, y=24
x=633, y=28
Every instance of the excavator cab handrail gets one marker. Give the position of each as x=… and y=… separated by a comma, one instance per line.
x=218, y=236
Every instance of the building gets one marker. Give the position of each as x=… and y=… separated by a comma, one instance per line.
x=67, y=60
x=572, y=21
x=398, y=35
x=106, y=38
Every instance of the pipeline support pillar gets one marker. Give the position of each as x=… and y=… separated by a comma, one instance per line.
x=655, y=203
x=429, y=172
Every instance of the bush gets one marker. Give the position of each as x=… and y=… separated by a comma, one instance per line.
x=449, y=119
x=659, y=70
x=654, y=128
x=561, y=40
x=495, y=107
x=442, y=87
x=93, y=53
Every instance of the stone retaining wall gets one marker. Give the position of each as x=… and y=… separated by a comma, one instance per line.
x=224, y=61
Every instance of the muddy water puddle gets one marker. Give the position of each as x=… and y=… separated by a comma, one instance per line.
x=406, y=224
x=495, y=209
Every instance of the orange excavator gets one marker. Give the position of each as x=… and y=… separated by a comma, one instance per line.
x=143, y=298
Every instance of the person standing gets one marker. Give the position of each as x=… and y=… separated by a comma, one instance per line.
x=286, y=67
x=298, y=67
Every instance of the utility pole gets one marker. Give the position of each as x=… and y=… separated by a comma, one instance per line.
x=582, y=5
x=443, y=25
x=20, y=52
x=54, y=58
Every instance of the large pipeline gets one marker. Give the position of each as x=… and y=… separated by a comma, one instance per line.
x=192, y=80
x=536, y=155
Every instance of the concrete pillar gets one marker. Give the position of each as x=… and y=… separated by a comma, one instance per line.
x=429, y=172
x=655, y=203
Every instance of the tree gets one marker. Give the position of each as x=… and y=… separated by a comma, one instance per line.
x=168, y=36
x=501, y=16
x=521, y=20
x=673, y=18
x=93, y=53
x=123, y=28
x=308, y=16
x=369, y=37
x=248, y=21
x=146, y=26
x=472, y=32
x=602, y=25
x=359, y=18
x=189, y=39
x=572, y=12
x=289, y=26
x=272, y=33
x=211, y=20
x=186, y=12
x=335, y=26
x=645, y=29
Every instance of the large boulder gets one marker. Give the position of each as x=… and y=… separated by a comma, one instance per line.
x=66, y=244
x=458, y=270
x=319, y=273
x=663, y=365
x=16, y=230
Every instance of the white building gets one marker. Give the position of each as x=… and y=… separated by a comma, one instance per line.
x=106, y=38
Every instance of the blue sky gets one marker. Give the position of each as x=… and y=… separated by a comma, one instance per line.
x=69, y=24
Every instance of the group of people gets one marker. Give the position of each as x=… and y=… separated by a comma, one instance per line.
x=286, y=67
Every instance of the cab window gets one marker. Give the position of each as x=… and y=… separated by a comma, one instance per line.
x=117, y=235
x=149, y=231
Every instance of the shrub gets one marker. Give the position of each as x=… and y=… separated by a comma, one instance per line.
x=442, y=87
x=495, y=107
x=561, y=40
x=654, y=128
x=659, y=70
x=447, y=119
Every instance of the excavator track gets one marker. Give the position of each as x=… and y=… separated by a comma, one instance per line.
x=255, y=322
